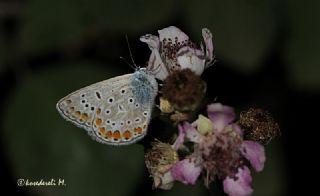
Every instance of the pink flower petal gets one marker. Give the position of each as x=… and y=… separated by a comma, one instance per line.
x=171, y=33
x=180, y=139
x=191, y=133
x=237, y=129
x=220, y=115
x=186, y=131
x=186, y=171
x=254, y=152
x=241, y=186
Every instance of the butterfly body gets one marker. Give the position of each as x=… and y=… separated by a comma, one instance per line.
x=116, y=111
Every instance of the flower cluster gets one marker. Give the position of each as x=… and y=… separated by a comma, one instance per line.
x=213, y=147
x=219, y=152
x=178, y=62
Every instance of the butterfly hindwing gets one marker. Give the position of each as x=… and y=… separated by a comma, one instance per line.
x=122, y=120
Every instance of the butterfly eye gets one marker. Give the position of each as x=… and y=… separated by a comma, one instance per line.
x=82, y=95
x=137, y=105
x=92, y=108
x=83, y=101
x=145, y=113
x=87, y=105
x=121, y=123
x=123, y=91
x=108, y=122
x=128, y=122
x=110, y=100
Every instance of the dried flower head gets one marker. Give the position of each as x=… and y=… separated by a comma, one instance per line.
x=258, y=125
x=159, y=160
x=184, y=90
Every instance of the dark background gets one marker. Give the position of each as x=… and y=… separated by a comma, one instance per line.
x=267, y=54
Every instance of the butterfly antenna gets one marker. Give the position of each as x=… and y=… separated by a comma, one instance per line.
x=130, y=53
x=125, y=60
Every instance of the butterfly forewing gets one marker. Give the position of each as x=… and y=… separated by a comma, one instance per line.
x=80, y=106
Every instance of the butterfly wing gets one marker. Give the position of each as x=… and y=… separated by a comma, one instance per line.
x=109, y=110
x=80, y=106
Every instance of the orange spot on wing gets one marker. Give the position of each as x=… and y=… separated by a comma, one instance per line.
x=116, y=135
x=127, y=134
x=98, y=121
x=138, y=130
x=77, y=114
x=98, y=111
x=102, y=130
x=84, y=117
x=108, y=134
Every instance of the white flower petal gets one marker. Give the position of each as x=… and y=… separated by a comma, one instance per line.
x=191, y=61
x=152, y=41
x=172, y=32
x=156, y=65
x=207, y=36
